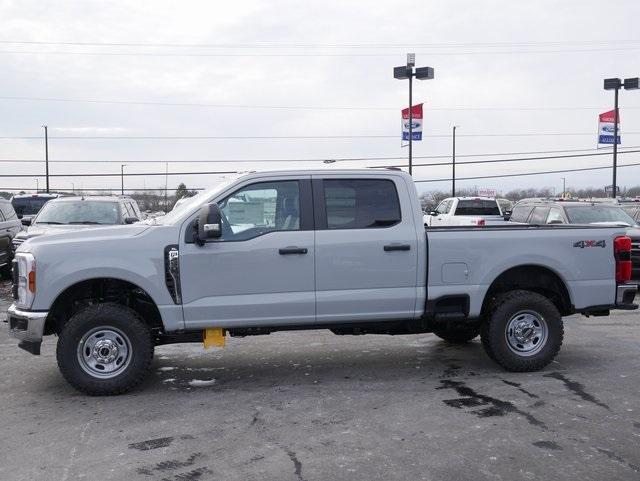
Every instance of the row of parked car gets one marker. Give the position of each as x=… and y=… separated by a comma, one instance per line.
x=27, y=216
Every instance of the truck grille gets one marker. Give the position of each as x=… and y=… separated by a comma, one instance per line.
x=635, y=259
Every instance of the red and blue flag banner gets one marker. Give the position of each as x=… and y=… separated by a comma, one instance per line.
x=416, y=113
x=606, y=123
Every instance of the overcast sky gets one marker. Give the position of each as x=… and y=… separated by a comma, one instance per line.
x=500, y=68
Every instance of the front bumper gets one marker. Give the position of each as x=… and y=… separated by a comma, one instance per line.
x=27, y=327
x=625, y=295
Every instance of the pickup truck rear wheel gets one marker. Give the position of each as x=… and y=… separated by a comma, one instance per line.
x=105, y=349
x=523, y=331
x=458, y=335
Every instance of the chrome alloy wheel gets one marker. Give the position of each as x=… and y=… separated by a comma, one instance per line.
x=526, y=333
x=104, y=352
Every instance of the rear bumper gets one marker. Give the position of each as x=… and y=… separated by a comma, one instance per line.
x=625, y=295
x=27, y=327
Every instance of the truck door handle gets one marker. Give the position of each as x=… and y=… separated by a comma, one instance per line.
x=397, y=247
x=292, y=250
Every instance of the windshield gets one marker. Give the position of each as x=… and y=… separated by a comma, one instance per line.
x=28, y=205
x=79, y=212
x=598, y=213
x=477, y=207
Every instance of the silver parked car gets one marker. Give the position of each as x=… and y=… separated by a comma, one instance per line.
x=74, y=213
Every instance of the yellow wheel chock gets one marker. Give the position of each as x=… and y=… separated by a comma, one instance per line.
x=213, y=337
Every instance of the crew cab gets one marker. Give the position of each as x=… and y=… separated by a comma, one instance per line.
x=476, y=211
x=340, y=250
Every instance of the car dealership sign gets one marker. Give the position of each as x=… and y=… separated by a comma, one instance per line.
x=416, y=114
x=606, y=127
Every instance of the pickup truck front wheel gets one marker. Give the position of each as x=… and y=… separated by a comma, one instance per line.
x=523, y=331
x=105, y=349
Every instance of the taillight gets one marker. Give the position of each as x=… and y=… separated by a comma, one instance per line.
x=32, y=280
x=480, y=222
x=622, y=254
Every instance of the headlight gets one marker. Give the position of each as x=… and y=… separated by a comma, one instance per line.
x=26, y=279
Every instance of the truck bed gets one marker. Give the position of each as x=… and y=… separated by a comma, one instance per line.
x=466, y=260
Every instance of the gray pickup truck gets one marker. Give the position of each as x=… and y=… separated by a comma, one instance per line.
x=339, y=250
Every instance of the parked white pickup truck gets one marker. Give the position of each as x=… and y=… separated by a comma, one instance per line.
x=339, y=250
x=476, y=211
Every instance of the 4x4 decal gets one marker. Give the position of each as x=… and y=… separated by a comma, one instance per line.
x=589, y=243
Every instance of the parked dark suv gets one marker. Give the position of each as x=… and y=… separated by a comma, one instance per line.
x=9, y=226
x=28, y=205
x=560, y=211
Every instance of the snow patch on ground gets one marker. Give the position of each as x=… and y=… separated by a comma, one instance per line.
x=202, y=382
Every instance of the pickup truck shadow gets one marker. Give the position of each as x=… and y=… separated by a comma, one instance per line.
x=289, y=365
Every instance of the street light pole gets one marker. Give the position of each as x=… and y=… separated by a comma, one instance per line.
x=410, y=121
x=407, y=72
x=615, y=142
x=453, y=178
x=122, y=166
x=46, y=154
x=615, y=84
x=564, y=186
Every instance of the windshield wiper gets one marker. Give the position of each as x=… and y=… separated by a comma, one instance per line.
x=52, y=222
x=87, y=222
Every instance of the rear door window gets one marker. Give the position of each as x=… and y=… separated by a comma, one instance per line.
x=539, y=215
x=477, y=207
x=555, y=217
x=136, y=211
x=521, y=213
x=9, y=213
x=632, y=211
x=361, y=203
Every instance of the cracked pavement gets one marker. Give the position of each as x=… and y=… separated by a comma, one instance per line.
x=314, y=406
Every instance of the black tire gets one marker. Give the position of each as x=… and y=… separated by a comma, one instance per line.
x=500, y=331
x=458, y=335
x=5, y=272
x=116, y=327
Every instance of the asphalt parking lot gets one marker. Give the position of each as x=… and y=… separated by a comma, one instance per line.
x=314, y=406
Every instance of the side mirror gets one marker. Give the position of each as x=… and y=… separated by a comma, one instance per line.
x=555, y=221
x=26, y=221
x=433, y=212
x=209, y=223
x=131, y=220
x=506, y=214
